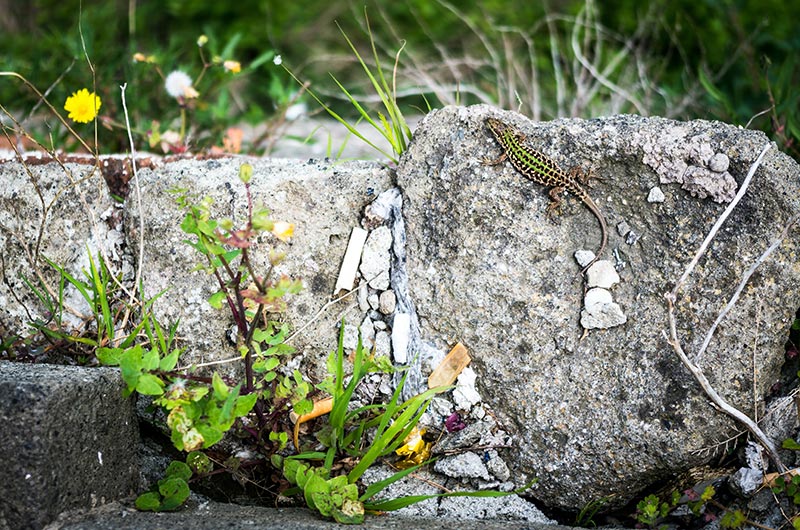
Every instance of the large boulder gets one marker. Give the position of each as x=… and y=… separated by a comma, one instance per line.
x=603, y=415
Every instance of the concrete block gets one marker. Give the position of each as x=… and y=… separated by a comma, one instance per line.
x=67, y=440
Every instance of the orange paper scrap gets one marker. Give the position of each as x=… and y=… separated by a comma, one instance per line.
x=449, y=369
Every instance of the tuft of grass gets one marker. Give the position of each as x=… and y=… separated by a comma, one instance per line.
x=390, y=123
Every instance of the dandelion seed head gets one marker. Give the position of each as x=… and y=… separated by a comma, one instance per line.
x=177, y=84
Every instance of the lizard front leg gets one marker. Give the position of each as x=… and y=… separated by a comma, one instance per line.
x=498, y=160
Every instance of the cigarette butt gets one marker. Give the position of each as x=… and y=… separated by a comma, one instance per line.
x=450, y=367
x=321, y=407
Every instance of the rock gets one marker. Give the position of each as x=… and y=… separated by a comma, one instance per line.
x=719, y=163
x=463, y=439
x=374, y=301
x=383, y=343
x=401, y=329
x=211, y=515
x=616, y=411
x=47, y=213
x=323, y=201
x=463, y=465
x=498, y=467
x=403, y=487
x=362, y=297
x=376, y=259
x=69, y=440
x=600, y=311
x=655, y=195
x=367, y=332
x=584, y=257
x=602, y=274
x=746, y=481
x=465, y=394
x=511, y=507
x=387, y=302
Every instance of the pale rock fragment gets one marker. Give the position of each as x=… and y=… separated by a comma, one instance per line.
x=401, y=330
x=655, y=195
x=387, y=302
x=383, y=344
x=376, y=258
x=602, y=274
x=464, y=465
x=600, y=311
x=465, y=395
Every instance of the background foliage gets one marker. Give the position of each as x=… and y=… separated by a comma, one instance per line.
x=742, y=52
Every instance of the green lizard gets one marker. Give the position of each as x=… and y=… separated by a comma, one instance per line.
x=540, y=168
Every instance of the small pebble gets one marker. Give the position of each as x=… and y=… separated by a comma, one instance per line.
x=401, y=332
x=498, y=467
x=584, y=257
x=361, y=296
x=602, y=274
x=465, y=394
x=655, y=195
x=367, y=332
x=623, y=228
x=374, y=301
x=719, y=163
x=383, y=344
x=387, y=302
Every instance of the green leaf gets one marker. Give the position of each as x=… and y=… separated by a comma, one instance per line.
x=150, y=360
x=304, y=406
x=244, y=404
x=169, y=362
x=210, y=434
x=216, y=299
x=175, y=492
x=791, y=444
x=291, y=468
x=220, y=388
x=317, y=488
x=148, y=502
x=149, y=385
x=199, y=463
x=109, y=356
x=266, y=365
x=179, y=469
x=130, y=364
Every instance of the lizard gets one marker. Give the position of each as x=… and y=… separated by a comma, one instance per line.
x=543, y=170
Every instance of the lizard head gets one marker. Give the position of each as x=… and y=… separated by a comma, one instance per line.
x=503, y=130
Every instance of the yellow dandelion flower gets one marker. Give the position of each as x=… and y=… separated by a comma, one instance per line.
x=82, y=106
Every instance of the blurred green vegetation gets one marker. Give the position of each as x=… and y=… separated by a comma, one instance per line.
x=685, y=59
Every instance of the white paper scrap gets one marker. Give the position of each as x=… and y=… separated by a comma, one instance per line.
x=352, y=257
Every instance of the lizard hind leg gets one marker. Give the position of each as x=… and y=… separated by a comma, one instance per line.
x=554, y=208
x=585, y=177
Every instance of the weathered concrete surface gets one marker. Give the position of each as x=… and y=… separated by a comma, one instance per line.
x=52, y=211
x=323, y=199
x=67, y=440
x=604, y=416
x=212, y=516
